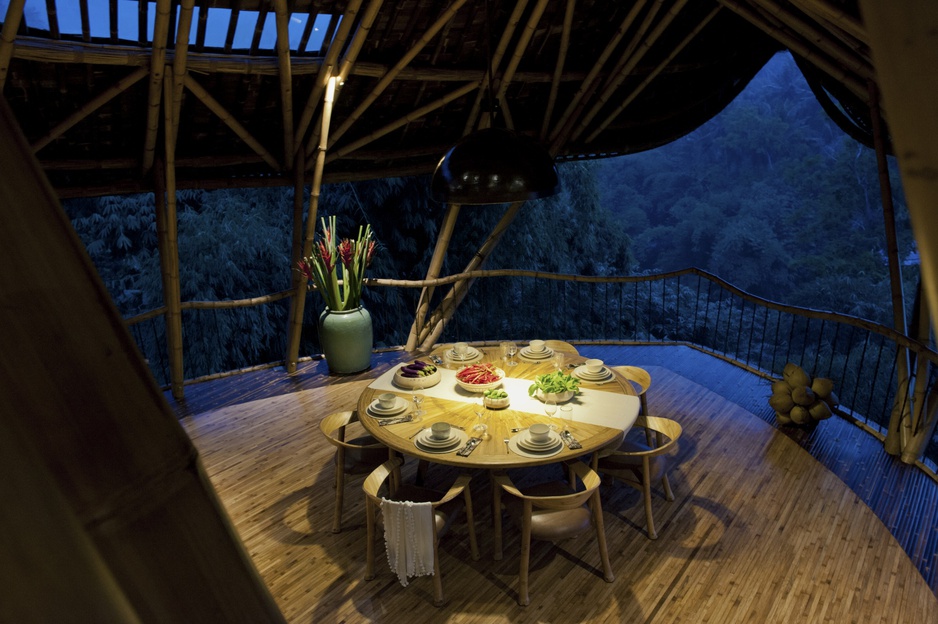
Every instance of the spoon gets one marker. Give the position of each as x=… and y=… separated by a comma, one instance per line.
x=507, y=448
x=416, y=433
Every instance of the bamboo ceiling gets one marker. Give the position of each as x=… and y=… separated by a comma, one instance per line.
x=588, y=78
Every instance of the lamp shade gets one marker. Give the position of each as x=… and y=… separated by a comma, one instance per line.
x=493, y=166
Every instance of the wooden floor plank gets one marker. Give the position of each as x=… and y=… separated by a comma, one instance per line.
x=759, y=530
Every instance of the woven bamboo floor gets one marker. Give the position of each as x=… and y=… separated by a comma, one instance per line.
x=760, y=531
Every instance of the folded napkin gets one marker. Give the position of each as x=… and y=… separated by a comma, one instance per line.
x=408, y=537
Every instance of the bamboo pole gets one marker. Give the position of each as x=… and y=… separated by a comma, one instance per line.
x=296, y=247
x=925, y=417
x=905, y=51
x=845, y=30
x=558, y=67
x=648, y=79
x=213, y=105
x=180, y=59
x=587, y=85
x=856, y=86
x=160, y=32
x=11, y=23
x=523, y=40
x=577, y=126
x=325, y=70
x=392, y=74
x=286, y=78
x=394, y=125
x=834, y=15
x=349, y=61
x=433, y=271
x=299, y=294
x=90, y=106
x=513, y=20
x=444, y=312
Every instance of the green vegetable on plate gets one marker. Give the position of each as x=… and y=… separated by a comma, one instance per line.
x=554, y=383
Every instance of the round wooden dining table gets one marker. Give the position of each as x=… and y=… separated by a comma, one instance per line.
x=601, y=413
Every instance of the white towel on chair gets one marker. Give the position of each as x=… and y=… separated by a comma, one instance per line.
x=408, y=537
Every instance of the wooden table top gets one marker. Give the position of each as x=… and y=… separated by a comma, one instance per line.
x=492, y=453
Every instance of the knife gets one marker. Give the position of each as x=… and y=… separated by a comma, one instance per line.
x=470, y=446
x=572, y=442
x=395, y=421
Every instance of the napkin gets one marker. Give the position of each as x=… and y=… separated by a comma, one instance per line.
x=408, y=538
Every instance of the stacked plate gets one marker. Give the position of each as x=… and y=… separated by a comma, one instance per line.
x=400, y=404
x=471, y=354
x=427, y=443
x=529, y=354
x=522, y=444
x=602, y=375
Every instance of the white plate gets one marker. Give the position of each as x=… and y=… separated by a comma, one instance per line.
x=553, y=439
x=582, y=373
x=471, y=353
x=536, y=355
x=518, y=450
x=427, y=444
x=400, y=405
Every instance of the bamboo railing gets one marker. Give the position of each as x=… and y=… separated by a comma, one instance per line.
x=689, y=307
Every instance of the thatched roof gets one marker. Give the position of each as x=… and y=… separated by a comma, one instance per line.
x=588, y=78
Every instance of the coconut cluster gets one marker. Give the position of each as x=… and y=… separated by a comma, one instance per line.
x=796, y=398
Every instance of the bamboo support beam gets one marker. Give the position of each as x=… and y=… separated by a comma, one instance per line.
x=558, y=67
x=598, y=103
x=905, y=51
x=523, y=40
x=160, y=32
x=213, y=105
x=444, y=312
x=394, y=125
x=588, y=83
x=180, y=59
x=392, y=74
x=513, y=20
x=286, y=78
x=856, y=86
x=299, y=294
x=169, y=250
x=834, y=15
x=11, y=23
x=89, y=107
x=647, y=81
x=433, y=271
x=296, y=246
x=325, y=70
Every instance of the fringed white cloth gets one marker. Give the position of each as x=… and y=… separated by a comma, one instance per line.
x=408, y=537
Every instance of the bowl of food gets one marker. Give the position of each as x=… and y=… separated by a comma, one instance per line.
x=419, y=374
x=479, y=377
x=558, y=386
x=495, y=398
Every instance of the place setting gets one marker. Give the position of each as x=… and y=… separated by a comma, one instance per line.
x=388, y=405
x=593, y=371
x=440, y=437
x=463, y=353
x=536, y=351
x=537, y=441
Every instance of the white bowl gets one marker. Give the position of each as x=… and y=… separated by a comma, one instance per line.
x=558, y=397
x=417, y=382
x=496, y=403
x=481, y=387
x=594, y=366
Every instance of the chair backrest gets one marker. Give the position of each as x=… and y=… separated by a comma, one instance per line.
x=587, y=476
x=638, y=376
x=671, y=429
x=333, y=428
x=560, y=345
x=375, y=482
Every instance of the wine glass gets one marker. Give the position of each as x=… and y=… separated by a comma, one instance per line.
x=550, y=408
x=557, y=360
x=503, y=350
x=481, y=426
x=418, y=399
x=566, y=415
x=512, y=349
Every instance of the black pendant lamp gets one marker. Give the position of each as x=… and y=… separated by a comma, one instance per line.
x=494, y=165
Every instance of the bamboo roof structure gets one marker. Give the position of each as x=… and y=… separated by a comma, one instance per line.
x=589, y=79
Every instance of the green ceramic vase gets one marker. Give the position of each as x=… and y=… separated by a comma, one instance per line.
x=347, y=339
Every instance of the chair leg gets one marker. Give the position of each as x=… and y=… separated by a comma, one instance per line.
x=597, y=512
x=646, y=494
x=339, y=494
x=422, y=467
x=497, y=519
x=473, y=544
x=668, y=494
x=523, y=598
x=370, y=544
x=437, y=574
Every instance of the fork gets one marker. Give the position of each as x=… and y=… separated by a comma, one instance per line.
x=507, y=448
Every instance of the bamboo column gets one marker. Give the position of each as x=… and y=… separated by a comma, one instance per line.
x=11, y=23
x=286, y=78
x=558, y=67
x=433, y=272
x=181, y=57
x=905, y=53
x=158, y=57
x=166, y=224
x=299, y=293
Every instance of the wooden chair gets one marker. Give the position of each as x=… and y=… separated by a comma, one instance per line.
x=640, y=380
x=358, y=456
x=638, y=465
x=560, y=345
x=446, y=506
x=551, y=511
